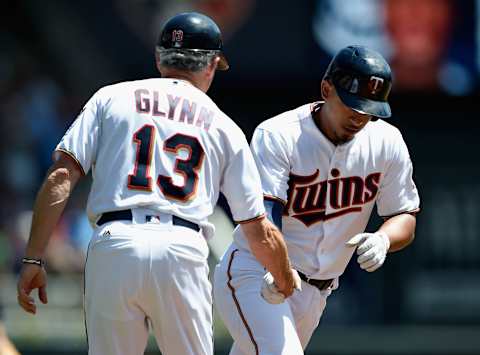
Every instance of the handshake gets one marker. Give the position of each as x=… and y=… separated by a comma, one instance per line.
x=372, y=249
x=270, y=291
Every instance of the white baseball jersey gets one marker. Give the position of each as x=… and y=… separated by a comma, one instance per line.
x=329, y=191
x=162, y=144
x=160, y=148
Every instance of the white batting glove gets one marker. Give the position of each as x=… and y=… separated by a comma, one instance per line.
x=270, y=292
x=372, y=249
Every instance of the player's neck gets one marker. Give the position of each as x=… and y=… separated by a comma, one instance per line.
x=322, y=125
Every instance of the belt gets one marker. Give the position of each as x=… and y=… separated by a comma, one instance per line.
x=126, y=215
x=320, y=284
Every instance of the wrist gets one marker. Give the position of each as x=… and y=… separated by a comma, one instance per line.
x=284, y=280
x=385, y=239
x=33, y=261
x=33, y=253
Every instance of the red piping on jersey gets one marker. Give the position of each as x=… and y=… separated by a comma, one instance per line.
x=237, y=304
x=251, y=219
x=274, y=198
x=412, y=212
x=72, y=157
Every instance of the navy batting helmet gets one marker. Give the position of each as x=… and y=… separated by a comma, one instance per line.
x=195, y=32
x=362, y=79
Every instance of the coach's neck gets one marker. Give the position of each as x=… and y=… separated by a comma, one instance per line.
x=201, y=79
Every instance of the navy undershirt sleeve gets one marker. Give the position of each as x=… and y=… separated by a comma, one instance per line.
x=274, y=211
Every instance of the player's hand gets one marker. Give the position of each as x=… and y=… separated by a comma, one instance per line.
x=372, y=249
x=270, y=291
x=31, y=277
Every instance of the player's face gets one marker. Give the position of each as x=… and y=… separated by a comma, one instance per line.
x=343, y=122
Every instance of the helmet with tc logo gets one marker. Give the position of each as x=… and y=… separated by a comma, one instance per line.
x=362, y=79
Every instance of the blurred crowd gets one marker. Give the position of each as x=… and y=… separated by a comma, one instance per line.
x=34, y=112
x=428, y=43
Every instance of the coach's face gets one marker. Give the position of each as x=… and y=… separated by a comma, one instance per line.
x=339, y=121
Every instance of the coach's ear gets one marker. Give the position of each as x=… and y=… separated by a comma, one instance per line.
x=157, y=61
x=325, y=89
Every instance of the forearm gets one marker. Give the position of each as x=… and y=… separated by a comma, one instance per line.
x=268, y=246
x=400, y=230
x=49, y=205
x=271, y=252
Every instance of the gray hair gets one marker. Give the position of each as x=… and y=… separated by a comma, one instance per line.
x=193, y=60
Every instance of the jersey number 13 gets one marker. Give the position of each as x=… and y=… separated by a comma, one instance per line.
x=188, y=168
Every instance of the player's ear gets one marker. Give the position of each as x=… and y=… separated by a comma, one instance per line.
x=325, y=89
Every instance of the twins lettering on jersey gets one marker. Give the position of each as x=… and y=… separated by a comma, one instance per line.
x=189, y=112
x=308, y=198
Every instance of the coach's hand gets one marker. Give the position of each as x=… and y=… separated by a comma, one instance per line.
x=270, y=291
x=31, y=277
x=372, y=249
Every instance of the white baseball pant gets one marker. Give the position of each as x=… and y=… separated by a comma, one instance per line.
x=138, y=273
x=258, y=327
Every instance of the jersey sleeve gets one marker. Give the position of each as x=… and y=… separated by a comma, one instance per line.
x=241, y=183
x=271, y=156
x=81, y=139
x=398, y=192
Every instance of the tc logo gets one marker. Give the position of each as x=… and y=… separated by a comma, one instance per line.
x=375, y=84
x=177, y=37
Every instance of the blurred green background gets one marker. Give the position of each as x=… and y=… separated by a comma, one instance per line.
x=55, y=54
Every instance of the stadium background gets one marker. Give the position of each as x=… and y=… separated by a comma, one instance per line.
x=425, y=300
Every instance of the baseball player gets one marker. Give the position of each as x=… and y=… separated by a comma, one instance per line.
x=160, y=152
x=323, y=166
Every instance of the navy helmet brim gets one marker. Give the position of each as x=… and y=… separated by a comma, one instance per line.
x=363, y=105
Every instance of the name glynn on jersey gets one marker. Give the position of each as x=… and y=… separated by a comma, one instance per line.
x=147, y=101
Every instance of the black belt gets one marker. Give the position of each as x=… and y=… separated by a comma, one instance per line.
x=320, y=284
x=126, y=215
